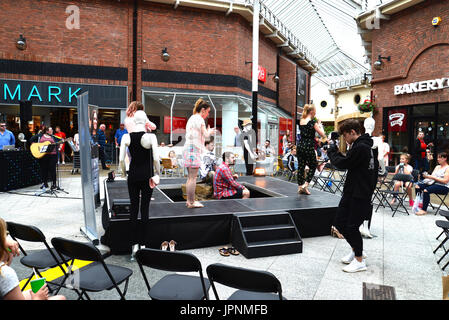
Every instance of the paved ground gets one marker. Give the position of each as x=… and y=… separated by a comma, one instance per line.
x=400, y=255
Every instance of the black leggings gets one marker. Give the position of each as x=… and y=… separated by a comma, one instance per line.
x=350, y=215
x=48, y=168
x=140, y=195
x=306, y=156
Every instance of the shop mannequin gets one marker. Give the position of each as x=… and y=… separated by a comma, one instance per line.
x=369, y=125
x=143, y=174
x=248, y=141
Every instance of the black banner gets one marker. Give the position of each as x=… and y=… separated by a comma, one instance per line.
x=302, y=87
x=61, y=93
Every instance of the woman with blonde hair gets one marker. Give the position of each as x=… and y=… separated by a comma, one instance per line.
x=9, y=282
x=308, y=126
x=196, y=135
x=129, y=120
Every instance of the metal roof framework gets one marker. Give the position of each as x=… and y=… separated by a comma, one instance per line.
x=329, y=29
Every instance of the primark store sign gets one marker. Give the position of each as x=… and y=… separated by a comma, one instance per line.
x=61, y=94
x=422, y=86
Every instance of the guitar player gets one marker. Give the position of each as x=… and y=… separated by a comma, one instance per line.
x=47, y=162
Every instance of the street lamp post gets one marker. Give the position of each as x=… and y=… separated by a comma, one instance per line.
x=255, y=64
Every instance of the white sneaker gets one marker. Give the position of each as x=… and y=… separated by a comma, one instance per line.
x=350, y=256
x=63, y=162
x=355, y=266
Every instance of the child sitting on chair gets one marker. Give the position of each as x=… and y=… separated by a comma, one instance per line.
x=404, y=168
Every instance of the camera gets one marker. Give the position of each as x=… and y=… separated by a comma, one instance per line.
x=333, y=140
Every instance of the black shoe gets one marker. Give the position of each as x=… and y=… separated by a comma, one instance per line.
x=44, y=185
x=53, y=187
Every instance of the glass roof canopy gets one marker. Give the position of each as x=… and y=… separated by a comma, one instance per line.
x=329, y=30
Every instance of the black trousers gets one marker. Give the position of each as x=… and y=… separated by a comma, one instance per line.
x=102, y=156
x=350, y=215
x=140, y=195
x=48, y=168
x=249, y=166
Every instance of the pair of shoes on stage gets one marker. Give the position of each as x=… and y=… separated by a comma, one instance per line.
x=165, y=245
x=195, y=204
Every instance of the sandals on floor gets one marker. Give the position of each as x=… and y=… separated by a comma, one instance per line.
x=225, y=251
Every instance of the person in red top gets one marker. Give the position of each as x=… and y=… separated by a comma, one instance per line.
x=225, y=186
x=61, y=135
x=421, y=162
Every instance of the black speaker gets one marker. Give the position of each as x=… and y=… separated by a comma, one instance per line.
x=26, y=112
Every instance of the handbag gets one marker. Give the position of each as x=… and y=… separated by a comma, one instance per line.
x=418, y=199
x=445, y=280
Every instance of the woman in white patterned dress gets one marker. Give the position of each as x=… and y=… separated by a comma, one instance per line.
x=196, y=135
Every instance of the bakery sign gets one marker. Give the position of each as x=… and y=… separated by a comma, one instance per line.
x=397, y=120
x=422, y=86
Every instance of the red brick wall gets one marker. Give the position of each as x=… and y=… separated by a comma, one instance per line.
x=201, y=41
x=418, y=52
x=287, y=85
x=197, y=40
x=102, y=40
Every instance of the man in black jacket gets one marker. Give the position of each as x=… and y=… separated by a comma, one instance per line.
x=359, y=186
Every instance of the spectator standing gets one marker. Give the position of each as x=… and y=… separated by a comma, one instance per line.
x=61, y=155
x=119, y=134
x=102, y=143
x=421, y=162
x=6, y=136
x=384, y=151
x=237, y=142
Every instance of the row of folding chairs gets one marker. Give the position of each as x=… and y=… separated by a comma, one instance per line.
x=444, y=226
x=384, y=191
x=330, y=179
x=99, y=276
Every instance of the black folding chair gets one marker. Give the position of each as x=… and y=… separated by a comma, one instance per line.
x=251, y=284
x=96, y=276
x=442, y=198
x=37, y=260
x=445, y=226
x=335, y=179
x=445, y=214
x=400, y=196
x=174, y=286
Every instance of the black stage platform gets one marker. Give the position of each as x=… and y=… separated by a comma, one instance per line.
x=213, y=225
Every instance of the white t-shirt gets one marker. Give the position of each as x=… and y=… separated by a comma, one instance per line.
x=8, y=279
x=408, y=167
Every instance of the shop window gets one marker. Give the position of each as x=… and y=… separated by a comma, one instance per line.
x=427, y=110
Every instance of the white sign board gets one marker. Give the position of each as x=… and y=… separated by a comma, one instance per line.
x=422, y=86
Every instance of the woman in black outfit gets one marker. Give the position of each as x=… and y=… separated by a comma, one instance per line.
x=142, y=176
x=308, y=126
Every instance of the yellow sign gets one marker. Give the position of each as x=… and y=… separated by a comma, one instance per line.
x=436, y=21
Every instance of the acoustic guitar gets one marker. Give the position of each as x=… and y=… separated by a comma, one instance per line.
x=38, y=149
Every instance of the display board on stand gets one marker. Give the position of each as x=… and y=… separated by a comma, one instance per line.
x=88, y=125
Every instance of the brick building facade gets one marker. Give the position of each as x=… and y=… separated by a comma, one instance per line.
x=117, y=52
x=406, y=88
